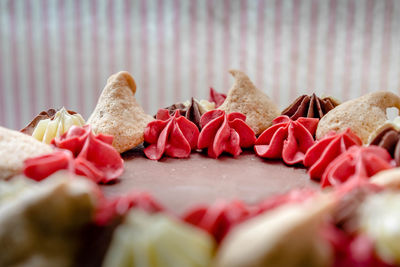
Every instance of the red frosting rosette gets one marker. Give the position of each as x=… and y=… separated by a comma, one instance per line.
x=82, y=152
x=327, y=149
x=293, y=196
x=219, y=218
x=174, y=136
x=216, y=97
x=356, y=163
x=287, y=139
x=221, y=132
x=119, y=206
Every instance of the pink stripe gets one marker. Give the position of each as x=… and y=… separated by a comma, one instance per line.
x=210, y=43
x=312, y=47
x=177, y=54
x=277, y=50
x=386, y=45
x=193, y=45
x=111, y=36
x=294, y=50
x=243, y=34
x=46, y=48
x=260, y=44
x=144, y=54
x=95, y=52
x=63, y=57
x=330, y=49
x=31, y=61
x=348, y=64
x=79, y=61
x=226, y=43
x=15, y=78
x=366, y=53
x=160, y=56
x=128, y=38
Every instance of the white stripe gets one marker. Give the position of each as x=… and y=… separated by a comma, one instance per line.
x=286, y=43
x=251, y=51
x=339, y=47
x=54, y=54
x=6, y=57
x=136, y=49
x=376, y=47
x=321, y=42
x=202, y=66
x=268, y=47
x=185, y=63
x=119, y=40
x=87, y=59
x=152, y=52
x=357, y=48
x=218, y=64
x=303, y=50
x=22, y=64
x=394, y=68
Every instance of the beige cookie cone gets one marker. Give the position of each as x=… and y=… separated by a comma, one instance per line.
x=245, y=98
x=15, y=147
x=387, y=178
x=362, y=115
x=286, y=236
x=119, y=114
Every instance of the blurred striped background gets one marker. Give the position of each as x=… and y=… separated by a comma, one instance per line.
x=55, y=52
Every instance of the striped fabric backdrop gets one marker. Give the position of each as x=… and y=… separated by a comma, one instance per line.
x=55, y=53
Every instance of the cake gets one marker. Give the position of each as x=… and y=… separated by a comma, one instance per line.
x=229, y=181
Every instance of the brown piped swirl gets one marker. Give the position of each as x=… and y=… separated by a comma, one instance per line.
x=310, y=107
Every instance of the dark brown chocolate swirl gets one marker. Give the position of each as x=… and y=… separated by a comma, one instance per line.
x=49, y=114
x=389, y=139
x=309, y=107
x=192, y=112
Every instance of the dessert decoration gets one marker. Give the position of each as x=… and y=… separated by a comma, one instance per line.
x=118, y=114
x=388, y=178
x=217, y=219
x=41, y=116
x=245, y=98
x=108, y=209
x=48, y=125
x=286, y=236
x=15, y=147
x=217, y=98
x=362, y=115
x=388, y=137
x=83, y=152
x=224, y=132
x=327, y=149
x=158, y=240
x=310, y=107
x=41, y=225
x=379, y=217
x=287, y=139
x=174, y=136
x=356, y=163
x=192, y=110
x=293, y=196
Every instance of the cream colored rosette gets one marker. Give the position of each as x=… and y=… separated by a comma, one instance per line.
x=46, y=130
x=379, y=220
x=158, y=240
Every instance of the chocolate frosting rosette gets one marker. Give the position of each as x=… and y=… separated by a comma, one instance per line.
x=310, y=107
x=388, y=137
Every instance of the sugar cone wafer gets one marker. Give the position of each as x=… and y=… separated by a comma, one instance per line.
x=362, y=115
x=15, y=147
x=245, y=98
x=119, y=114
x=287, y=236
